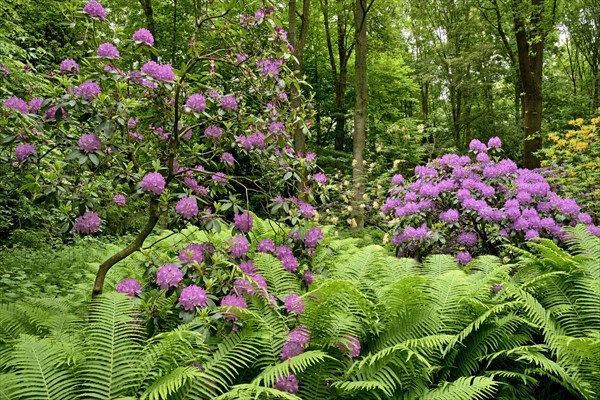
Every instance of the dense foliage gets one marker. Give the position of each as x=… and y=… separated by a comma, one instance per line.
x=162, y=156
x=374, y=327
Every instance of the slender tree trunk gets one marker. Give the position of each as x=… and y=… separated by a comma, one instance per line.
x=341, y=83
x=127, y=251
x=424, y=86
x=340, y=106
x=530, y=50
x=360, y=110
x=149, y=13
x=298, y=41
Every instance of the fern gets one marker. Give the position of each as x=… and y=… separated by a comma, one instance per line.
x=113, y=346
x=40, y=371
x=464, y=388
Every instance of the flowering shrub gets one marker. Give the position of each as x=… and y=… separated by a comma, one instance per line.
x=170, y=138
x=469, y=205
x=573, y=163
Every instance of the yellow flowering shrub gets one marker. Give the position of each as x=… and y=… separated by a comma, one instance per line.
x=572, y=159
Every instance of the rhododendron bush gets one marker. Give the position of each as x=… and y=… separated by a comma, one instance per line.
x=187, y=140
x=471, y=205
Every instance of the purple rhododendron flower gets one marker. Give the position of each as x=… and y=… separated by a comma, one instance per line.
x=219, y=178
x=229, y=103
x=187, y=207
x=213, y=133
x=233, y=301
x=312, y=237
x=17, y=104
x=154, y=183
x=196, y=103
x=89, y=143
x=349, y=345
x=287, y=383
x=266, y=246
x=87, y=223
x=35, y=105
x=476, y=145
x=294, y=304
x=108, y=50
x=397, y=179
x=24, y=150
x=463, y=257
x=450, y=215
x=243, y=222
x=144, y=36
x=467, y=239
x=119, y=200
x=68, y=65
x=169, y=275
x=158, y=72
x=320, y=178
x=228, y=159
x=192, y=253
x=238, y=246
x=308, y=276
x=95, y=10
x=88, y=90
x=191, y=297
x=129, y=286
x=495, y=142
x=295, y=342
x=248, y=267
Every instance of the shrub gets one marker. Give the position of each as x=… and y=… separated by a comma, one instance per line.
x=470, y=205
x=189, y=142
x=573, y=163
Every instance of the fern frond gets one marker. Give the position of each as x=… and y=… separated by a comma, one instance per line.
x=280, y=281
x=40, y=370
x=231, y=357
x=165, y=387
x=465, y=388
x=249, y=392
x=294, y=365
x=112, y=338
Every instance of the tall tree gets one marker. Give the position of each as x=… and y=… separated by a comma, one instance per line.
x=531, y=26
x=360, y=107
x=583, y=23
x=298, y=40
x=345, y=47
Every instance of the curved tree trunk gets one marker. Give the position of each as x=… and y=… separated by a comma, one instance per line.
x=127, y=251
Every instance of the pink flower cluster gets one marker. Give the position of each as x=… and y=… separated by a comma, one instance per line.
x=143, y=36
x=89, y=142
x=187, y=207
x=295, y=343
x=87, y=223
x=129, y=286
x=294, y=304
x=196, y=103
x=154, y=183
x=243, y=222
x=95, y=10
x=158, y=72
x=191, y=297
x=168, y=276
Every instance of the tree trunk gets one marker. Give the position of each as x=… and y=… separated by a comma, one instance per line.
x=424, y=86
x=298, y=43
x=127, y=251
x=341, y=83
x=530, y=50
x=340, y=105
x=360, y=110
x=149, y=13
